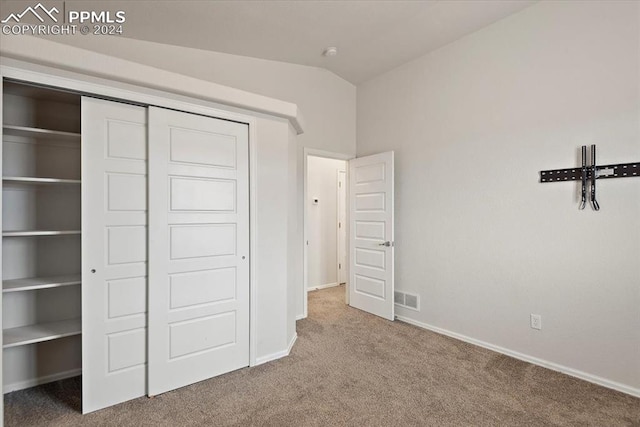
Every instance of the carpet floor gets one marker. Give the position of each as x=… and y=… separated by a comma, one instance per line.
x=349, y=368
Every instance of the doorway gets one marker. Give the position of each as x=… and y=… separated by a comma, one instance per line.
x=325, y=221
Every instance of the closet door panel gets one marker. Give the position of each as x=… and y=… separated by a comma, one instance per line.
x=198, y=249
x=114, y=242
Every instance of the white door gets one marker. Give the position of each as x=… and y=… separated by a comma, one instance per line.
x=198, y=247
x=114, y=253
x=342, y=227
x=371, y=234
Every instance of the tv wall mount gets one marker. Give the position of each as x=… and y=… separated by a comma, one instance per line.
x=588, y=174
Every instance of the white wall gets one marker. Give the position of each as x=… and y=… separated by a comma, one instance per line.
x=327, y=101
x=322, y=227
x=275, y=321
x=480, y=240
x=294, y=245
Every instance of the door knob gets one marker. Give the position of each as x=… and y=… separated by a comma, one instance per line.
x=387, y=244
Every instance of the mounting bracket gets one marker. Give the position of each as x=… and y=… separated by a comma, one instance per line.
x=620, y=170
x=589, y=174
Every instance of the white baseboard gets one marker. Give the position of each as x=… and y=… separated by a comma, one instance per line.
x=7, y=388
x=277, y=355
x=300, y=317
x=325, y=286
x=294, y=338
x=526, y=358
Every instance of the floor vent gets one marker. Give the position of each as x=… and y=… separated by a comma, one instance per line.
x=407, y=300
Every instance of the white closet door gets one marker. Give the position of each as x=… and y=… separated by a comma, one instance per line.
x=114, y=251
x=198, y=248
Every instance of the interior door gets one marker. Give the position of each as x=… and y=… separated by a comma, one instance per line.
x=198, y=247
x=114, y=252
x=371, y=234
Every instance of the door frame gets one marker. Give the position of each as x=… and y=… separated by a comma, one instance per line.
x=130, y=93
x=305, y=221
x=342, y=204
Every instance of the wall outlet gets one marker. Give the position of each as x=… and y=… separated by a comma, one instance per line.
x=536, y=321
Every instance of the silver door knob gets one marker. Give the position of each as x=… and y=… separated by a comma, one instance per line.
x=387, y=244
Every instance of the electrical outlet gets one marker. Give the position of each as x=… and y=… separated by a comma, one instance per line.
x=536, y=321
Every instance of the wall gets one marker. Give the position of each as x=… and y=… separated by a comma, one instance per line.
x=480, y=240
x=294, y=246
x=274, y=320
x=322, y=227
x=327, y=101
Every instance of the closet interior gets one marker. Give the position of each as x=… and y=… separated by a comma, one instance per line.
x=41, y=237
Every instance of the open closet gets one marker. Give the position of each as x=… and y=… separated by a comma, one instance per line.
x=125, y=244
x=41, y=236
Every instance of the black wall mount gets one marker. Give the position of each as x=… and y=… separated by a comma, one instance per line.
x=588, y=174
x=620, y=170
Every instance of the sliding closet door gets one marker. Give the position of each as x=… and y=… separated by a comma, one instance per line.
x=114, y=252
x=198, y=248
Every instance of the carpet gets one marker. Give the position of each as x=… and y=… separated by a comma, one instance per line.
x=349, y=368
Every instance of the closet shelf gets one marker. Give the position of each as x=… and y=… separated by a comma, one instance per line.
x=33, y=283
x=40, y=332
x=32, y=132
x=32, y=233
x=34, y=180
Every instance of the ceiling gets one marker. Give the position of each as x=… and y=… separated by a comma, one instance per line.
x=372, y=36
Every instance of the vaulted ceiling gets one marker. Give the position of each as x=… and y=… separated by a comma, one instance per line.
x=372, y=36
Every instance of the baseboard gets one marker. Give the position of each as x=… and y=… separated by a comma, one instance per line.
x=526, y=358
x=294, y=338
x=270, y=357
x=7, y=388
x=300, y=317
x=325, y=286
x=277, y=355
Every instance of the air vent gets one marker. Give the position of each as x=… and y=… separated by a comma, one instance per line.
x=398, y=297
x=407, y=300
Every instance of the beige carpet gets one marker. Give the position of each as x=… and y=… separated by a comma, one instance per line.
x=351, y=368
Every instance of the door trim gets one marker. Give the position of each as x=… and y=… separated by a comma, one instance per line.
x=305, y=221
x=341, y=203
x=253, y=238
